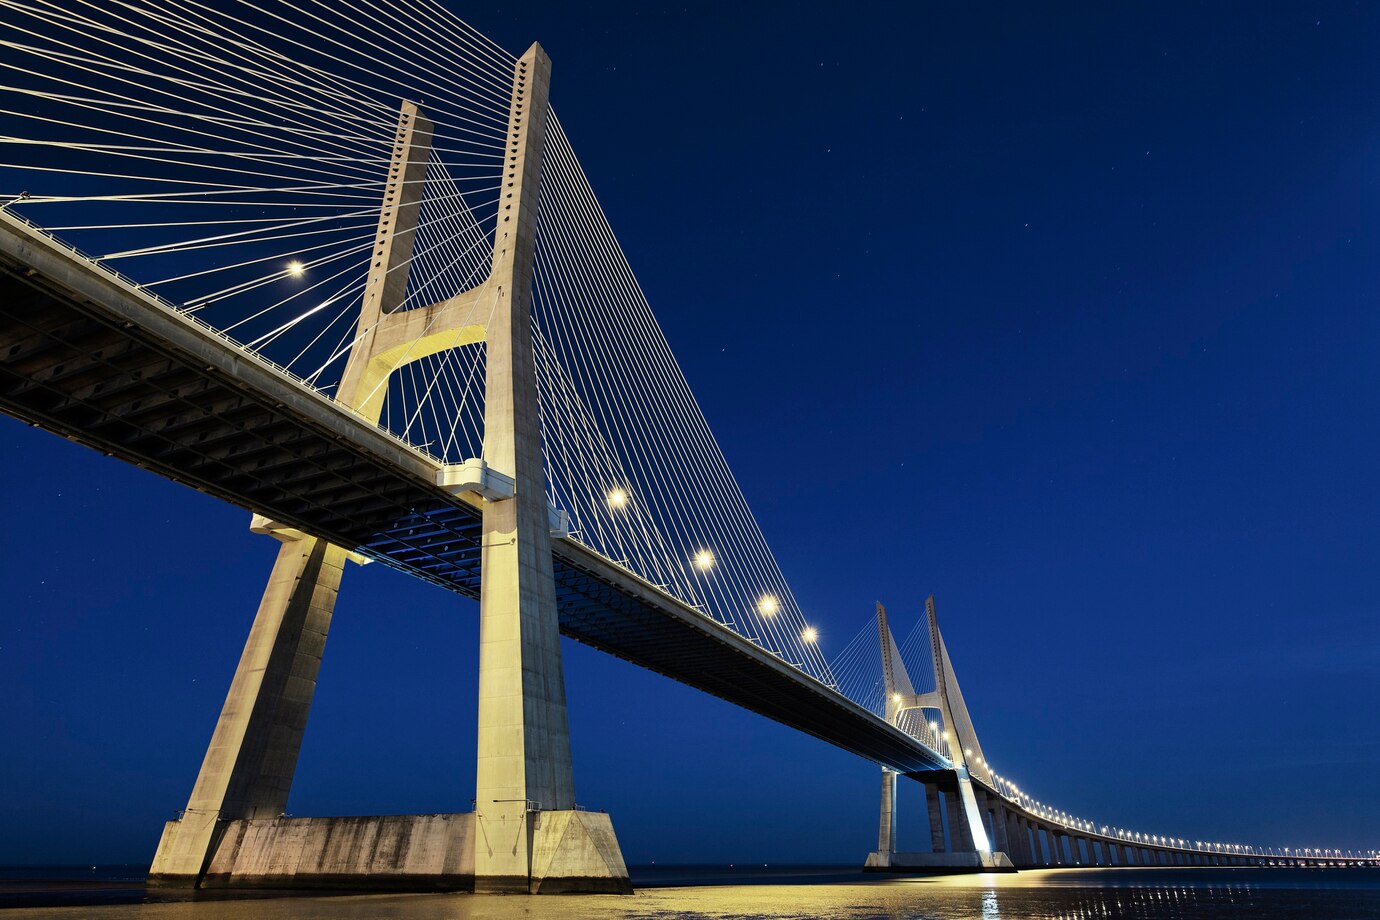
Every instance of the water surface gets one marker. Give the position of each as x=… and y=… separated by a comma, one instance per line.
x=836, y=894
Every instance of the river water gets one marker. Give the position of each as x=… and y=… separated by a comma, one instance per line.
x=726, y=893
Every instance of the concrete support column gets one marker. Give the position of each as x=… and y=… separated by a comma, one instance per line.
x=1015, y=835
x=997, y=815
x=960, y=837
x=936, y=819
x=1021, y=831
x=248, y=767
x=997, y=818
x=886, y=834
x=1056, y=846
x=524, y=768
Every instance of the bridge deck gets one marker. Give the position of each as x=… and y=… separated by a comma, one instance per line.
x=88, y=355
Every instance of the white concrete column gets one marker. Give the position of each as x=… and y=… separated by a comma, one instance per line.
x=523, y=764
x=528, y=836
x=886, y=834
x=248, y=768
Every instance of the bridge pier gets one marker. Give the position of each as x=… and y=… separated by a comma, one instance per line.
x=248, y=767
x=936, y=818
x=526, y=834
x=1016, y=839
x=1031, y=835
x=996, y=818
x=960, y=836
x=1035, y=857
x=1056, y=847
x=886, y=834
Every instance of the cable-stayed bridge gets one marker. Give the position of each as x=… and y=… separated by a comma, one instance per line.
x=363, y=289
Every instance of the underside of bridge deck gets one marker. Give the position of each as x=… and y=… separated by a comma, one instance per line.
x=92, y=359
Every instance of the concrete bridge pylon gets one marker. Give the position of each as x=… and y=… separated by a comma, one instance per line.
x=951, y=798
x=526, y=834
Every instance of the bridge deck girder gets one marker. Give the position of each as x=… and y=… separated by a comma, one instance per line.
x=87, y=357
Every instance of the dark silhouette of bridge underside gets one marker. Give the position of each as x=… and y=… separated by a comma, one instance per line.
x=87, y=355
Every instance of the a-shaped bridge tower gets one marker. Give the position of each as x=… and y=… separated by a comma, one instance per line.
x=525, y=834
x=952, y=802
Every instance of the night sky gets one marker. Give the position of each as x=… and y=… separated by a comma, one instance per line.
x=1066, y=316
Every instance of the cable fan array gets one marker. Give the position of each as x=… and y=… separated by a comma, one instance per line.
x=232, y=160
x=858, y=669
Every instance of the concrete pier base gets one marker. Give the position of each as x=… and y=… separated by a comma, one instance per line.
x=938, y=863
x=572, y=851
x=375, y=853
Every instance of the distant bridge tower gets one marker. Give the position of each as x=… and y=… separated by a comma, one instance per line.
x=525, y=834
x=948, y=793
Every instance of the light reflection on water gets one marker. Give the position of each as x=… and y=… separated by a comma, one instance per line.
x=1059, y=895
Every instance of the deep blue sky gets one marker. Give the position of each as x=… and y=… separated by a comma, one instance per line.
x=1084, y=302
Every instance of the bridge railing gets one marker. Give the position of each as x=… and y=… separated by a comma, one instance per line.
x=201, y=325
